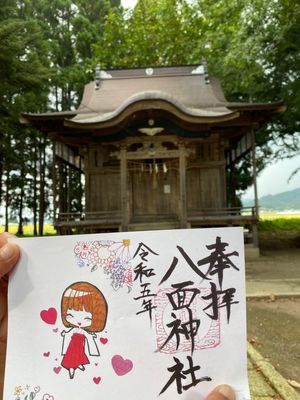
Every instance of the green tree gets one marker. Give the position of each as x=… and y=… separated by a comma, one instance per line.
x=45, y=51
x=71, y=28
x=161, y=32
x=254, y=47
x=24, y=74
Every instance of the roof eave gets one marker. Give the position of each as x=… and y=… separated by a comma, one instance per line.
x=28, y=118
x=190, y=115
x=276, y=107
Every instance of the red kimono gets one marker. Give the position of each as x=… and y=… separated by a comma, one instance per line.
x=75, y=354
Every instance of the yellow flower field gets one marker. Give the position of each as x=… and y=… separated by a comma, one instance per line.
x=28, y=229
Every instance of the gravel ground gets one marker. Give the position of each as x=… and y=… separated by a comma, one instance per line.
x=274, y=324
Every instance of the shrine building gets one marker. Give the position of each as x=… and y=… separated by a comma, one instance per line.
x=158, y=148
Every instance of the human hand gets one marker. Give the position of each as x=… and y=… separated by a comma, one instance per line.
x=9, y=255
x=222, y=392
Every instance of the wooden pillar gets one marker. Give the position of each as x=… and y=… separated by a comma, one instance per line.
x=124, y=190
x=182, y=187
x=68, y=178
x=54, y=181
x=232, y=183
x=87, y=177
x=256, y=205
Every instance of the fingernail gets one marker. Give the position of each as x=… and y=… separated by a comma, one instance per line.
x=226, y=391
x=7, y=252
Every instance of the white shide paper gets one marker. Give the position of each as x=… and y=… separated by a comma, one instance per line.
x=158, y=314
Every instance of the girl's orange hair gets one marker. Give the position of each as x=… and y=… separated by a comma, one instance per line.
x=85, y=296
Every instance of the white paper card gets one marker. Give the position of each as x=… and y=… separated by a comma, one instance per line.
x=157, y=314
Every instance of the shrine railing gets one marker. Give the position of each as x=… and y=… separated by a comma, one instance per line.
x=224, y=211
x=88, y=219
x=225, y=215
x=247, y=213
x=108, y=221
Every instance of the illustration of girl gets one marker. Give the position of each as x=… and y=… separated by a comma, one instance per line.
x=84, y=311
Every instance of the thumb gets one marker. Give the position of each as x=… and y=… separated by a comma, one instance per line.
x=9, y=255
x=222, y=392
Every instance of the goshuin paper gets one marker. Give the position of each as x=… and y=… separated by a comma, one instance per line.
x=152, y=315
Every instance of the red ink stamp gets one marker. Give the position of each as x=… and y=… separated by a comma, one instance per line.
x=171, y=336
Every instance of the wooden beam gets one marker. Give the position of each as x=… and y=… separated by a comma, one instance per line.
x=54, y=179
x=68, y=155
x=149, y=152
x=254, y=227
x=182, y=186
x=124, y=190
x=147, y=139
x=145, y=154
x=206, y=164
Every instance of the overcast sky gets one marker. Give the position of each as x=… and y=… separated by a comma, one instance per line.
x=274, y=178
x=128, y=3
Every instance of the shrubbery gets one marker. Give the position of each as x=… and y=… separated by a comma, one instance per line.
x=280, y=224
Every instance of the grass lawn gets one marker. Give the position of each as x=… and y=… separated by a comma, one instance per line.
x=279, y=222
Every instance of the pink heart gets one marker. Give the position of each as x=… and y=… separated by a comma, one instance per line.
x=49, y=316
x=97, y=380
x=48, y=397
x=103, y=340
x=121, y=366
x=47, y=354
x=55, y=330
x=57, y=370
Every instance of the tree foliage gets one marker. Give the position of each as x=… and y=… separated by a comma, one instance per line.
x=256, y=53
x=252, y=46
x=45, y=50
x=162, y=32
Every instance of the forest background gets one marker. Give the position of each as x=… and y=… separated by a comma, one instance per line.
x=49, y=51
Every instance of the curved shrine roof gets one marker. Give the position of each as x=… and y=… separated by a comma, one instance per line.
x=180, y=89
x=184, y=94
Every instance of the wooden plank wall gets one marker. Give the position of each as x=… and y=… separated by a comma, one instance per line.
x=157, y=194
x=204, y=188
x=105, y=191
x=206, y=180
